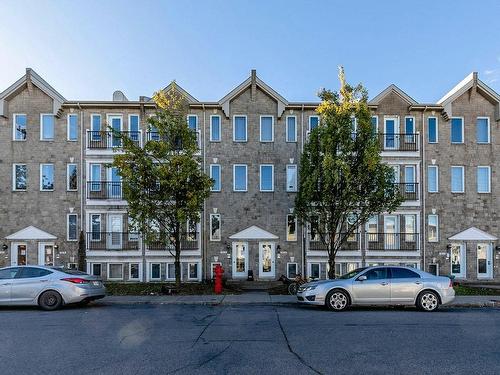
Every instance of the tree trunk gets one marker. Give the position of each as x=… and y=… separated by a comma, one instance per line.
x=81, y=253
x=331, y=257
x=177, y=255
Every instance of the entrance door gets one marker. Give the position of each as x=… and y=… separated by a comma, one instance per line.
x=266, y=259
x=484, y=263
x=240, y=259
x=390, y=233
x=115, y=225
x=391, y=133
x=458, y=260
x=19, y=254
x=46, y=254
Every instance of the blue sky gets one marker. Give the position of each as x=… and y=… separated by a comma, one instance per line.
x=88, y=49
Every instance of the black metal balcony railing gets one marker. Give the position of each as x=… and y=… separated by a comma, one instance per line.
x=104, y=190
x=352, y=244
x=156, y=136
x=409, y=190
x=107, y=140
x=392, y=241
x=398, y=141
x=112, y=241
x=189, y=241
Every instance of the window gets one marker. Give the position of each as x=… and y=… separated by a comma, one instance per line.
x=95, y=127
x=171, y=271
x=32, y=272
x=240, y=128
x=483, y=130
x=95, y=177
x=192, y=121
x=410, y=177
x=266, y=128
x=240, y=177
x=291, y=177
x=134, y=271
x=410, y=228
x=376, y=274
x=155, y=271
x=133, y=127
x=432, y=130
x=313, y=228
x=96, y=269
x=8, y=273
x=313, y=122
x=314, y=270
x=46, y=127
x=133, y=231
x=403, y=273
x=215, y=128
x=374, y=123
x=115, y=271
x=215, y=227
x=432, y=179
x=291, y=128
x=72, y=227
x=372, y=229
x=19, y=127
x=95, y=227
x=409, y=129
x=193, y=271
x=72, y=127
x=291, y=270
x=433, y=228
x=483, y=179
x=266, y=177
x=19, y=177
x=354, y=127
x=457, y=130
x=291, y=228
x=71, y=177
x=47, y=177
x=215, y=175
x=457, y=179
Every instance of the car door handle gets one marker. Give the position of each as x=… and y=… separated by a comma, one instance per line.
x=418, y=282
x=384, y=283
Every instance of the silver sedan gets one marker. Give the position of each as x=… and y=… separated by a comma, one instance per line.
x=381, y=285
x=47, y=287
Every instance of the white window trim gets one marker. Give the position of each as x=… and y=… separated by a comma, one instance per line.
x=90, y=269
x=437, y=130
x=463, y=126
x=130, y=115
x=437, y=178
x=67, y=127
x=260, y=178
x=296, y=178
x=130, y=271
x=234, y=177
x=309, y=268
x=489, y=179
x=296, y=268
x=376, y=122
x=150, y=272
x=166, y=271
x=14, y=176
x=286, y=228
x=286, y=129
x=234, y=128
x=67, y=176
x=110, y=117
x=92, y=115
x=272, y=129
x=220, y=129
x=41, y=175
x=463, y=178
x=192, y=115
x=437, y=228
x=108, y=274
x=14, y=115
x=67, y=227
x=489, y=129
x=309, y=124
x=220, y=177
x=198, y=276
x=41, y=127
x=220, y=228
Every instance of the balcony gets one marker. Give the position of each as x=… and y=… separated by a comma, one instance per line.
x=155, y=136
x=392, y=241
x=189, y=241
x=111, y=190
x=408, y=190
x=106, y=140
x=399, y=141
x=112, y=241
x=352, y=244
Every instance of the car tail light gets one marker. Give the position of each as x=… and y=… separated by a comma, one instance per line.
x=451, y=284
x=76, y=280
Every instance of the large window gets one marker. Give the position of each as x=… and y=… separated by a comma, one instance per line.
x=134, y=271
x=115, y=271
x=483, y=130
x=47, y=177
x=72, y=177
x=19, y=177
x=95, y=127
x=95, y=177
x=291, y=270
x=457, y=179
x=291, y=227
x=47, y=127
x=240, y=177
x=266, y=128
x=267, y=177
x=240, y=128
x=215, y=175
x=215, y=128
x=72, y=127
x=409, y=128
x=215, y=227
x=171, y=271
x=313, y=122
x=457, y=130
x=193, y=271
x=192, y=121
x=483, y=179
x=291, y=129
x=72, y=227
x=291, y=177
x=19, y=127
x=432, y=130
x=133, y=127
x=96, y=269
x=432, y=228
x=314, y=270
x=95, y=227
x=432, y=178
x=372, y=229
x=410, y=228
x=155, y=271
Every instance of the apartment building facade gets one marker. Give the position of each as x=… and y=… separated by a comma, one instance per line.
x=57, y=180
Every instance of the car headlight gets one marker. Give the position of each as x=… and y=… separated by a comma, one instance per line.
x=307, y=288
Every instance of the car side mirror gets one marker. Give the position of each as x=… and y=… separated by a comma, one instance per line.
x=362, y=278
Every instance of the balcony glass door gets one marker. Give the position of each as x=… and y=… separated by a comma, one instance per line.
x=391, y=233
x=115, y=229
x=410, y=179
x=114, y=184
x=391, y=133
x=240, y=259
x=116, y=123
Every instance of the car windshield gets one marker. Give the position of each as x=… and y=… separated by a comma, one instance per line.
x=352, y=273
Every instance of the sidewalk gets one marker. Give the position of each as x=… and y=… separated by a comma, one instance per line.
x=262, y=298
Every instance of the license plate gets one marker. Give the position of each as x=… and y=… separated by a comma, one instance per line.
x=96, y=283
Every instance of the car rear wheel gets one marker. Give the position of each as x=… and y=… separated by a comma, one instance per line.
x=50, y=300
x=428, y=301
x=337, y=300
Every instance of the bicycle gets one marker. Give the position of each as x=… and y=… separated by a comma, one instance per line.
x=293, y=284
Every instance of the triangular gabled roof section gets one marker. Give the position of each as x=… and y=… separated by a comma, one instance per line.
x=393, y=89
x=282, y=102
x=473, y=234
x=31, y=233
x=39, y=82
x=253, y=233
x=175, y=86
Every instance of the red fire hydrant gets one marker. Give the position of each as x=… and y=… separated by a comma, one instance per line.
x=218, y=278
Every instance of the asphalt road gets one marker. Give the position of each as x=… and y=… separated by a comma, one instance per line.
x=185, y=339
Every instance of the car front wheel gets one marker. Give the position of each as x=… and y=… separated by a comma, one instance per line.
x=337, y=300
x=50, y=300
x=427, y=301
